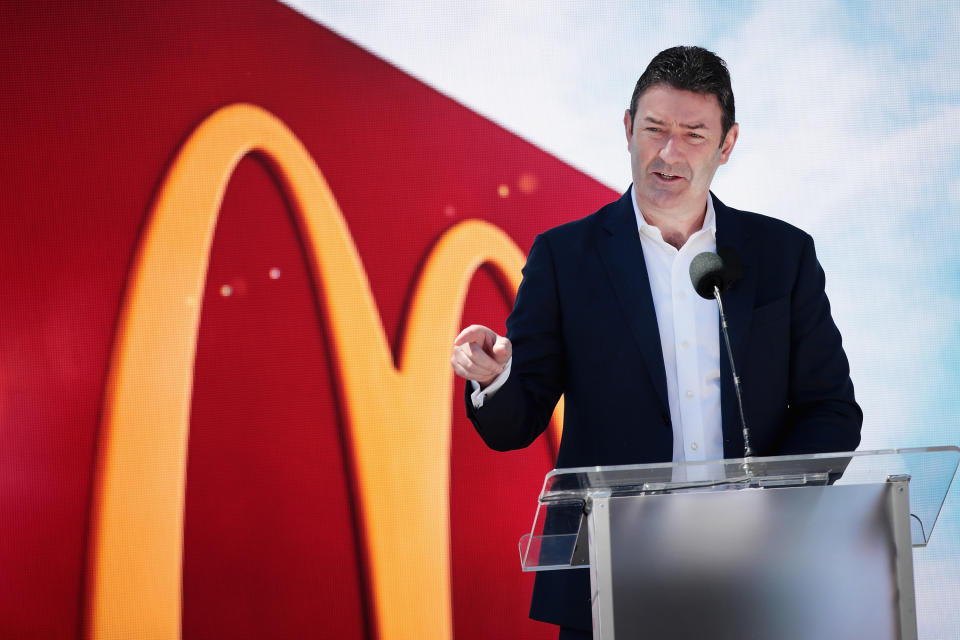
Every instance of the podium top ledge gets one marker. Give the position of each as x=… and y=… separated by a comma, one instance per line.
x=814, y=461
x=929, y=471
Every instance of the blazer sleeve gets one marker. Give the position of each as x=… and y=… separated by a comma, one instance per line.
x=520, y=410
x=822, y=414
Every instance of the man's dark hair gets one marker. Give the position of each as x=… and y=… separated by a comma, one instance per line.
x=689, y=69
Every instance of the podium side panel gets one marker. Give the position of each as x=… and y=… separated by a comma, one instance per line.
x=598, y=523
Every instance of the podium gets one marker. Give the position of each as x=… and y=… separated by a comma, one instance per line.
x=786, y=547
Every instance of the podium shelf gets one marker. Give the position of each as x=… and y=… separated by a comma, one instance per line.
x=557, y=539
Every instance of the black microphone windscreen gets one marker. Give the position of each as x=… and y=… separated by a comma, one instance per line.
x=707, y=272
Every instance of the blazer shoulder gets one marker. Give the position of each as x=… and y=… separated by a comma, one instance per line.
x=767, y=227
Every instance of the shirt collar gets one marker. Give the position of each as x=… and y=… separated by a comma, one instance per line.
x=709, y=220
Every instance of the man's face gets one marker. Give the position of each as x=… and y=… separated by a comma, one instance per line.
x=675, y=148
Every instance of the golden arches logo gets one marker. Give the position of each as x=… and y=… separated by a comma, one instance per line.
x=134, y=588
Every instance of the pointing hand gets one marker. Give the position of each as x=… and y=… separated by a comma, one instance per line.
x=480, y=354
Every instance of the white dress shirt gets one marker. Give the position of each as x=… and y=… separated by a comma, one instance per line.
x=689, y=339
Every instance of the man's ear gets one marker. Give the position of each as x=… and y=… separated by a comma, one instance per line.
x=628, y=126
x=729, y=141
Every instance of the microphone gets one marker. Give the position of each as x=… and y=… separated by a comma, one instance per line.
x=712, y=274
x=720, y=270
x=707, y=273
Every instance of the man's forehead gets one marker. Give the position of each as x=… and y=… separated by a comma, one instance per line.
x=664, y=104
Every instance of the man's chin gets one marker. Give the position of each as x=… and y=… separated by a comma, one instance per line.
x=669, y=198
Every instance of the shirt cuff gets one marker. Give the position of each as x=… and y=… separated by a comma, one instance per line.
x=479, y=395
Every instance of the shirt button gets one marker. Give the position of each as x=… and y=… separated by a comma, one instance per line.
x=689, y=394
x=681, y=295
x=685, y=344
x=693, y=446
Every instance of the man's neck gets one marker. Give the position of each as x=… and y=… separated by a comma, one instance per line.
x=675, y=227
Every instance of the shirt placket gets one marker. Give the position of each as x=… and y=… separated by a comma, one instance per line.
x=688, y=370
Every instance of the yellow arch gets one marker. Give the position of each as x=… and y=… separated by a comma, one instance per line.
x=136, y=549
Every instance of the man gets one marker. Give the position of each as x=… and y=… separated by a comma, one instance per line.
x=606, y=314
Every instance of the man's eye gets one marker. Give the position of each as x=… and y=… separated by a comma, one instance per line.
x=653, y=129
x=696, y=136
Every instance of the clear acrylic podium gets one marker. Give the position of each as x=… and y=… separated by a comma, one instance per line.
x=786, y=548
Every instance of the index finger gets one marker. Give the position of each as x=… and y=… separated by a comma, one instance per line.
x=475, y=333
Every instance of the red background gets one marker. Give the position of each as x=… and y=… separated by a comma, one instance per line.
x=97, y=99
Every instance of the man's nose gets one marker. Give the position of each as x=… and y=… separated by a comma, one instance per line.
x=670, y=151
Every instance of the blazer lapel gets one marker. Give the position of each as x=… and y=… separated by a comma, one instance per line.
x=738, y=303
x=622, y=256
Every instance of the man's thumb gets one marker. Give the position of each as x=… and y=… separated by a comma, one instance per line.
x=502, y=350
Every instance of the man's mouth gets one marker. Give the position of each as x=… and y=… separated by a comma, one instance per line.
x=666, y=176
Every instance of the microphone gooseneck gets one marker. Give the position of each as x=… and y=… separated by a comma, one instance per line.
x=712, y=274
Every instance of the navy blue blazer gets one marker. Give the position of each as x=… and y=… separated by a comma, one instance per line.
x=584, y=325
